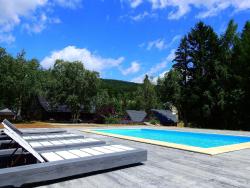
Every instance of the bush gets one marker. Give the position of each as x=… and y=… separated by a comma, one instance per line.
x=112, y=120
x=154, y=121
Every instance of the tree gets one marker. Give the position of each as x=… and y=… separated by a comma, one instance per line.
x=183, y=68
x=146, y=98
x=6, y=80
x=26, y=81
x=18, y=80
x=225, y=70
x=72, y=85
x=191, y=84
x=203, y=54
x=209, y=82
x=241, y=77
x=182, y=60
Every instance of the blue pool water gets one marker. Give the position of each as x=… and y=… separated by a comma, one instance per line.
x=202, y=140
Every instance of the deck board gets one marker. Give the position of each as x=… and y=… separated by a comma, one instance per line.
x=168, y=167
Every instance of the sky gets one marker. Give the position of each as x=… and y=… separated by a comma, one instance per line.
x=121, y=39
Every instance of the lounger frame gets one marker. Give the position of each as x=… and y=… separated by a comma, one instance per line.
x=18, y=176
x=51, y=163
x=27, y=133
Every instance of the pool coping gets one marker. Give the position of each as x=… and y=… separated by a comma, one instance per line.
x=208, y=151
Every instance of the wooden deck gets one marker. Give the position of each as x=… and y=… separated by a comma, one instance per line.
x=167, y=167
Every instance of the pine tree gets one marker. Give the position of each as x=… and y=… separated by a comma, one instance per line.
x=242, y=77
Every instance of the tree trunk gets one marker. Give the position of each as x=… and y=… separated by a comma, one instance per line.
x=75, y=117
x=19, y=109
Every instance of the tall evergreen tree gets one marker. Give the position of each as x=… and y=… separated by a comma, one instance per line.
x=225, y=79
x=204, y=49
x=242, y=77
x=182, y=65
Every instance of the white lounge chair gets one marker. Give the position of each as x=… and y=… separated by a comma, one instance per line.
x=43, y=165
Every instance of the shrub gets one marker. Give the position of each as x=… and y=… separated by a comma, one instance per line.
x=112, y=120
x=154, y=121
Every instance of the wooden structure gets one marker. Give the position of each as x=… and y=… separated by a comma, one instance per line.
x=135, y=116
x=166, y=117
x=6, y=114
x=43, y=110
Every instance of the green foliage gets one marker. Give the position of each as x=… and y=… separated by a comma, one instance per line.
x=128, y=95
x=18, y=81
x=154, y=121
x=209, y=82
x=112, y=120
x=145, y=96
x=117, y=87
x=73, y=85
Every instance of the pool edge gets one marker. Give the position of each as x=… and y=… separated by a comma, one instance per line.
x=208, y=151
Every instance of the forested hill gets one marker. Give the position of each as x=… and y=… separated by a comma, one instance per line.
x=116, y=87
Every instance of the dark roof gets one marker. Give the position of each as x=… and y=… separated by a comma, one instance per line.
x=136, y=116
x=48, y=108
x=6, y=112
x=59, y=108
x=166, y=114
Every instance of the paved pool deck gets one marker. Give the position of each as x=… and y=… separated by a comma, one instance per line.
x=168, y=167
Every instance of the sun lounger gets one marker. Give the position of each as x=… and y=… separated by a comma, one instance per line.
x=50, y=164
x=42, y=135
x=59, y=142
x=44, y=131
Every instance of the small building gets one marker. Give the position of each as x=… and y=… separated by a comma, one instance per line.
x=6, y=114
x=135, y=116
x=166, y=117
x=43, y=110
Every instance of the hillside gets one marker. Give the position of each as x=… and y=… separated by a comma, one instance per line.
x=116, y=87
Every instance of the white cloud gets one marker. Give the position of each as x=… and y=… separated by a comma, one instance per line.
x=208, y=7
x=134, y=68
x=171, y=55
x=140, y=16
x=161, y=75
x=7, y=38
x=156, y=69
x=90, y=60
x=160, y=44
x=38, y=24
x=73, y=4
x=133, y=3
x=176, y=38
x=32, y=15
x=143, y=15
x=12, y=11
x=138, y=79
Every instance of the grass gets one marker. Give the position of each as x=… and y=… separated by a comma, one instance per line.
x=34, y=124
x=38, y=124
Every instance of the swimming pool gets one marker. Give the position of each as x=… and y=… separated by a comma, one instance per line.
x=192, y=141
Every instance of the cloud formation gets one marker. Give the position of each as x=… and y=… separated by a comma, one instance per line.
x=73, y=4
x=90, y=60
x=156, y=69
x=133, y=3
x=33, y=15
x=134, y=68
x=160, y=43
x=207, y=8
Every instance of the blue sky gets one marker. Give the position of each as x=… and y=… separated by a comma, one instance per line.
x=121, y=39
